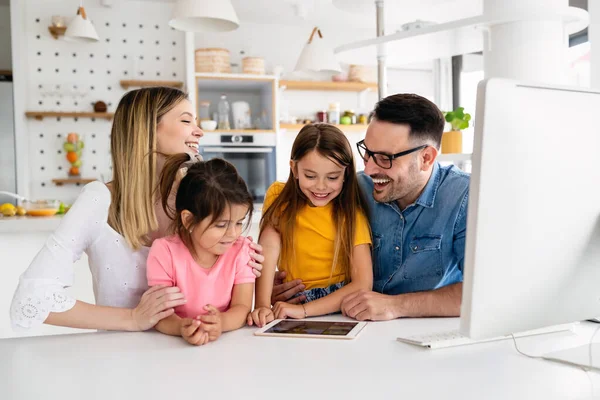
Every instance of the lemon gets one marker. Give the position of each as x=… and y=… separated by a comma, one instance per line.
x=7, y=206
x=9, y=212
x=21, y=211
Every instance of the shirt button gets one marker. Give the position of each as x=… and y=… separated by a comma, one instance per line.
x=397, y=248
x=401, y=217
x=415, y=248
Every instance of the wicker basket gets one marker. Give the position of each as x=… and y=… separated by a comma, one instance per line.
x=253, y=65
x=362, y=73
x=213, y=60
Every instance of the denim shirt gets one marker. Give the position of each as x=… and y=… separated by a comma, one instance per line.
x=422, y=247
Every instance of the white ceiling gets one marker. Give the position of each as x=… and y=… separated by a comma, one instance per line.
x=325, y=14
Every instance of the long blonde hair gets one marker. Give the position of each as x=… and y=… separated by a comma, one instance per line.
x=329, y=142
x=133, y=152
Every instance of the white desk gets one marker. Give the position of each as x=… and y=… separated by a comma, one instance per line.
x=239, y=365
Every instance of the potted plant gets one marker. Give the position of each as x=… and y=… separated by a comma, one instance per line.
x=452, y=140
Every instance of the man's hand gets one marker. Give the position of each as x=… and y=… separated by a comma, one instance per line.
x=211, y=323
x=190, y=331
x=367, y=305
x=285, y=291
x=260, y=317
x=284, y=310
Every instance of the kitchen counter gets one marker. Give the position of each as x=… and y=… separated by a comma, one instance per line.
x=29, y=224
x=239, y=365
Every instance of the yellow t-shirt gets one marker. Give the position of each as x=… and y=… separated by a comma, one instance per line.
x=314, y=236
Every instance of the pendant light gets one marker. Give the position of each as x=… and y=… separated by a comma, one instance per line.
x=317, y=56
x=80, y=29
x=204, y=16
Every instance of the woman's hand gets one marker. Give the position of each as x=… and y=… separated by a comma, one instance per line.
x=191, y=332
x=286, y=310
x=256, y=257
x=156, y=303
x=211, y=323
x=260, y=316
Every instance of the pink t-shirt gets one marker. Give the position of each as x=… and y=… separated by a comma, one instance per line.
x=171, y=263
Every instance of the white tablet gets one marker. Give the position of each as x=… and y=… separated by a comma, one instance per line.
x=307, y=328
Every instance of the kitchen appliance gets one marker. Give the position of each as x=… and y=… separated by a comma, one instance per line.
x=241, y=115
x=252, y=154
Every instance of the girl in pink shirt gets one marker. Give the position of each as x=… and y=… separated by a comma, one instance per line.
x=206, y=258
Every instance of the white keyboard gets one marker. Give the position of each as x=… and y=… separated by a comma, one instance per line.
x=454, y=338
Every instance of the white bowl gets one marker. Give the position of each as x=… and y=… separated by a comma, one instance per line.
x=208, y=125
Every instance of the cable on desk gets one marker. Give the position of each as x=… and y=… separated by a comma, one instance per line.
x=584, y=368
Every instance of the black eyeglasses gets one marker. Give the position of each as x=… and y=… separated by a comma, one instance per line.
x=382, y=159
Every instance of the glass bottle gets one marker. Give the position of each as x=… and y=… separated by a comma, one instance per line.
x=223, y=109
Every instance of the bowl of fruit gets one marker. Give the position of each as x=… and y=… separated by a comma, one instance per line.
x=41, y=208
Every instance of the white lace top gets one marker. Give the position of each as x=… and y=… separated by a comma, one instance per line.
x=118, y=272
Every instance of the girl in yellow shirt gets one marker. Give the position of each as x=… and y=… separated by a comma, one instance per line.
x=314, y=227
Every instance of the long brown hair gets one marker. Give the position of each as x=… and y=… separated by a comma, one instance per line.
x=330, y=142
x=206, y=191
x=133, y=152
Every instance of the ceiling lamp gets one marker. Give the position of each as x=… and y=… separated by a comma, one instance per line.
x=204, y=16
x=80, y=29
x=317, y=56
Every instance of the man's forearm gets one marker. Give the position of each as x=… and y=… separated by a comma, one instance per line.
x=443, y=302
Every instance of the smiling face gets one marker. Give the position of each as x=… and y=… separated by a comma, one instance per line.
x=177, y=131
x=319, y=178
x=404, y=181
x=215, y=238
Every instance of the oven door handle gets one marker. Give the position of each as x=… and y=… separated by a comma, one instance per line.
x=237, y=150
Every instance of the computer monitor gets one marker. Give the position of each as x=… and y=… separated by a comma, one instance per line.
x=532, y=255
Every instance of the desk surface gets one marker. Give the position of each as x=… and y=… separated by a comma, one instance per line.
x=149, y=365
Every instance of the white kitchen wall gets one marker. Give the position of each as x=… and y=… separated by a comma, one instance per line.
x=5, y=48
x=280, y=45
x=135, y=43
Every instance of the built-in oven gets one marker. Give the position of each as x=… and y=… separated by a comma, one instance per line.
x=252, y=154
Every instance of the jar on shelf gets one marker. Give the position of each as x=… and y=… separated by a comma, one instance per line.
x=362, y=119
x=352, y=117
x=334, y=113
x=204, y=110
x=322, y=116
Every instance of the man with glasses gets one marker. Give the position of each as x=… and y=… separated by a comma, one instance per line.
x=418, y=213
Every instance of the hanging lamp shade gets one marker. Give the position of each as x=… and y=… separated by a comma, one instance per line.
x=81, y=29
x=204, y=16
x=317, y=56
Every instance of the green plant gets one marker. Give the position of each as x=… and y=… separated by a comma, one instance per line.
x=458, y=119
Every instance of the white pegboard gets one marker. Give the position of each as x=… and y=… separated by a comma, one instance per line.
x=135, y=43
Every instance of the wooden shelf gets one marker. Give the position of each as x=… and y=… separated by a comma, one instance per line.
x=39, y=115
x=328, y=85
x=137, y=83
x=241, y=131
x=343, y=128
x=72, y=181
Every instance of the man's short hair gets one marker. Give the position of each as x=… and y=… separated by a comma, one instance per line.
x=424, y=118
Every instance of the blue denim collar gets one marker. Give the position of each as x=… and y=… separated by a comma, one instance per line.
x=427, y=197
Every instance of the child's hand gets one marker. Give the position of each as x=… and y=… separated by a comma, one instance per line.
x=211, y=323
x=286, y=310
x=190, y=331
x=260, y=316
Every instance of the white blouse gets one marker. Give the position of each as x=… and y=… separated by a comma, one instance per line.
x=118, y=272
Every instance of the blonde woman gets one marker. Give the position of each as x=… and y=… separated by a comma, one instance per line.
x=115, y=224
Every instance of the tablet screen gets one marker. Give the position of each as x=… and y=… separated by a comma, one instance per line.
x=327, y=328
